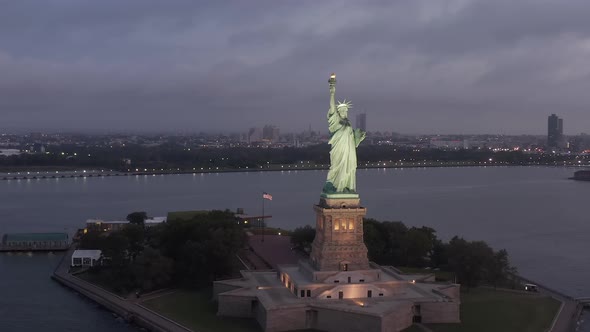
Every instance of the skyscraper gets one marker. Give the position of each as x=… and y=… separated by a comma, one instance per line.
x=554, y=131
x=270, y=133
x=361, y=121
x=254, y=135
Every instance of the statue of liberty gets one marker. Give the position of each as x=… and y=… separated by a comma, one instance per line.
x=344, y=141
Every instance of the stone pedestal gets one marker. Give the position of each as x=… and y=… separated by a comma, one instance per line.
x=338, y=244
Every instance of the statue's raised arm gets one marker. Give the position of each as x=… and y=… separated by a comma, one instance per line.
x=343, y=142
x=332, y=82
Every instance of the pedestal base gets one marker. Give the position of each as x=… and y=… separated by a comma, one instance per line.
x=339, y=245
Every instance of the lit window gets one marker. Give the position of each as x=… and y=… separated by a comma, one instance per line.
x=351, y=224
x=336, y=225
x=343, y=222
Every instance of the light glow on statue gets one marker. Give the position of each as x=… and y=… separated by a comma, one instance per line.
x=343, y=141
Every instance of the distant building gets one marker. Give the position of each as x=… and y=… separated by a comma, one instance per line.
x=98, y=225
x=554, y=131
x=255, y=135
x=9, y=152
x=361, y=121
x=449, y=144
x=270, y=133
x=86, y=257
x=35, y=241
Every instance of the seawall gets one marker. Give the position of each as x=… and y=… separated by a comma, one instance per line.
x=128, y=310
x=569, y=312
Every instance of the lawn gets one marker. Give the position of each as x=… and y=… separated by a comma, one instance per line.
x=185, y=215
x=487, y=310
x=195, y=310
x=439, y=275
x=482, y=310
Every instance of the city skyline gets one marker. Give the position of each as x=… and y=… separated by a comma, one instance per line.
x=454, y=67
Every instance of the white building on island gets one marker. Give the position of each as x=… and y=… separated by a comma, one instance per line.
x=86, y=258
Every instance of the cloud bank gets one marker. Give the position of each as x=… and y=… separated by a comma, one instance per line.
x=463, y=66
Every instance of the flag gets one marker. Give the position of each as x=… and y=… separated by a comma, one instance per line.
x=267, y=196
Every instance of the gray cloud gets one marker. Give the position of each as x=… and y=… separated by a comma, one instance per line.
x=414, y=66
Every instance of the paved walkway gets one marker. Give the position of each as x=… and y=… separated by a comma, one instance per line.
x=253, y=261
x=274, y=250
x=156, y=321
x=568, y=313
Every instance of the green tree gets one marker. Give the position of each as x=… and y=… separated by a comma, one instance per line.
x=374, y=240
x=137, y=218
x=114, y=250
x=135, y=235
x=117, y=272
x=302, y=238
x=499, y=268
x=152, y=270
x=91, y=241
x=418, y=245
x=394, y=233
x=469, y=260
x=203, y=248
x=439, y=258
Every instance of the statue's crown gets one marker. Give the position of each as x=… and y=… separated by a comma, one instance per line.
x=344, y=103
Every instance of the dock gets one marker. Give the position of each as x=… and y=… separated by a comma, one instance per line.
x=34, y=242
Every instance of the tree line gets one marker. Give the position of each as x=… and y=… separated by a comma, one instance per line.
x=194, y=250
x=394, y=243
x=184, y=252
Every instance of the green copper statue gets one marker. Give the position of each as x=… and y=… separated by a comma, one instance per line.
x=344, y=141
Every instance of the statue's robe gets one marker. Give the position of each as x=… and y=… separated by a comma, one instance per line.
x=343, y=141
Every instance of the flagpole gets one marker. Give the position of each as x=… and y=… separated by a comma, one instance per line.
x=263, y=216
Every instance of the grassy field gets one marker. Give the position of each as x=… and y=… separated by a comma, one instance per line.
x=482, y=310
x=487, y=310
x=184, y=215
x=196, y=311
x=439, y=275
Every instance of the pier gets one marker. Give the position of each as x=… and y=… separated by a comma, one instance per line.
x=35, y=242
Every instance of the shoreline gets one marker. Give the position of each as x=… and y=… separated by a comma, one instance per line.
x=36, y=175
x=569, y=312
x=565, y=319
x=130, y=311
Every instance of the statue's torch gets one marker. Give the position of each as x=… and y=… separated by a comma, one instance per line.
x=332, y=80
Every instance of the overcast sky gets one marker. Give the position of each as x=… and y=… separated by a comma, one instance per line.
x=464, y=66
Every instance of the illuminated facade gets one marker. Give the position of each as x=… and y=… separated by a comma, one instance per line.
x=337, y=289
